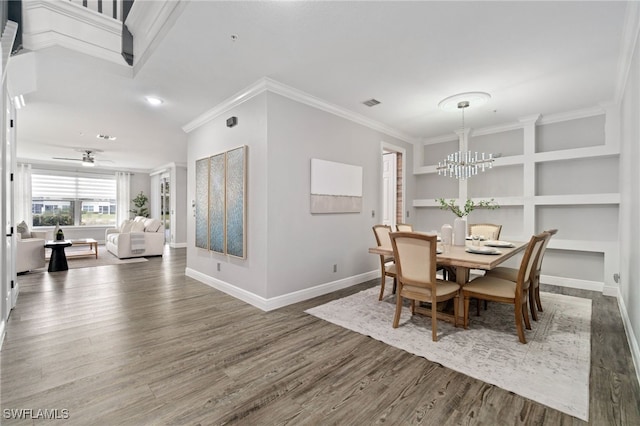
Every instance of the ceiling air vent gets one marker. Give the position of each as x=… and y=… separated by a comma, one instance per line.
x=371, y=102
x=106, y=137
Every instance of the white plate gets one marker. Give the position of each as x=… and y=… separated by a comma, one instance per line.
x=438, y=251
x=496, y=243
x=482, y=250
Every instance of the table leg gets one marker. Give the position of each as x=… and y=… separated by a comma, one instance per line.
x=58, y=260
x=462, y=277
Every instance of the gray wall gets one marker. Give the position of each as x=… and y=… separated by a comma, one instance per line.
x=215, y=137
x=289, y=249
x=302, y=247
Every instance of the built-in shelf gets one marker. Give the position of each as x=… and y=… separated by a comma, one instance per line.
x=567, y=188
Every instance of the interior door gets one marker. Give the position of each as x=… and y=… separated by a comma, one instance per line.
x=165, y=206
x=389, y=189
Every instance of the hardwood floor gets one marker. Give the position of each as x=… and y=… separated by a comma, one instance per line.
x=141, y=344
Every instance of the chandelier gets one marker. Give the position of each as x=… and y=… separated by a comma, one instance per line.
x=463, y=164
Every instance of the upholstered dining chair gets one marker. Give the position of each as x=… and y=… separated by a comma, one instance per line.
x=415, y=256
x=506, y=291
x=511, y=274
x=488, y=230
x=404, y=227
x=387, y=266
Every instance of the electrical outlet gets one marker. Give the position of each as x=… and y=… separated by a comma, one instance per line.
x=335, y=267
x=218, y=266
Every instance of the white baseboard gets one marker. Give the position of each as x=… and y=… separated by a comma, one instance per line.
x=284, y=300
x=178, y=245
x=631, y=338
x=572, y=283
x=15, y=293
x=2, y=323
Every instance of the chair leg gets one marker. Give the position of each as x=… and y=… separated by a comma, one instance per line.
x=384, y=277
x=465, y=319
x=537, y=296
x=413, y=307
x=456, y=301
x=395, y=285
x=477, y=307
x=396, y=317
x=525, y=315
x=434, y=321
x=532, y=308
x=518, y=316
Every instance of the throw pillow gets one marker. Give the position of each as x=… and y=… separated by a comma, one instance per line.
x=23, y=230
x=126, y=226
x=137, y=227
x=152, y=225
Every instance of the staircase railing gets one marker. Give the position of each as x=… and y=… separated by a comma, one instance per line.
x=116, y=9
x=111, y=8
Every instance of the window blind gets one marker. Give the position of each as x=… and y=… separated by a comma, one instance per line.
x=59, y=187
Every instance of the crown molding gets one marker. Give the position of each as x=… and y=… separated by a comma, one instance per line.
x=266, y=84
x=149, y=22
x=630, y=36
x=571, y=115
x=537, y=119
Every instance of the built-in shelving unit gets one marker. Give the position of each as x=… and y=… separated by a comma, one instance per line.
x=557, y=171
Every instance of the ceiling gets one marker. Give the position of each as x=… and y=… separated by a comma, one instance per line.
x=532, y=57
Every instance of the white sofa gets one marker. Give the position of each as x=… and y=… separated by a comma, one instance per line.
x=136, y=238
x=29, y=249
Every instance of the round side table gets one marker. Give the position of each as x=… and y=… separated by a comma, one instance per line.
x=58, y=260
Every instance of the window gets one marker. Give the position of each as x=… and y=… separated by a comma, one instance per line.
x=72, y=199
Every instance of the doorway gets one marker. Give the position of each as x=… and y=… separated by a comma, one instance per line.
x=393, y=159
x=165, y=205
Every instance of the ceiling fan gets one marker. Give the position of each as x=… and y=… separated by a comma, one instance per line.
x=88, y=157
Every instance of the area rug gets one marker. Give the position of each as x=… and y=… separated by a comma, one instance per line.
x=552, y=368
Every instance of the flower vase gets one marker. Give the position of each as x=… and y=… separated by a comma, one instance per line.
x=459, y=231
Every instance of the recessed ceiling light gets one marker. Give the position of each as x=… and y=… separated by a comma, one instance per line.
x=474, y=99
x=106, y=137
x=154, y=100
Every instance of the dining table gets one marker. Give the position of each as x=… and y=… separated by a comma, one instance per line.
x=463, y=261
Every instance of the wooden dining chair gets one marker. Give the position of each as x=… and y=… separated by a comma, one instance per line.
x=506, y=291
x=404, y=227
x=415, y=256
x=488, y=230
x=511, y=274
x=387, y=265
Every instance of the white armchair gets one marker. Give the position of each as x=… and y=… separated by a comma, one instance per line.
x=30, y=251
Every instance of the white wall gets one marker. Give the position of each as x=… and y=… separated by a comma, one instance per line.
x=140, y=182
x=181, y=208
x=630, y=204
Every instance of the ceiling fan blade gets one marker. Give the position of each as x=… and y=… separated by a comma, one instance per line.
x=63, y=158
